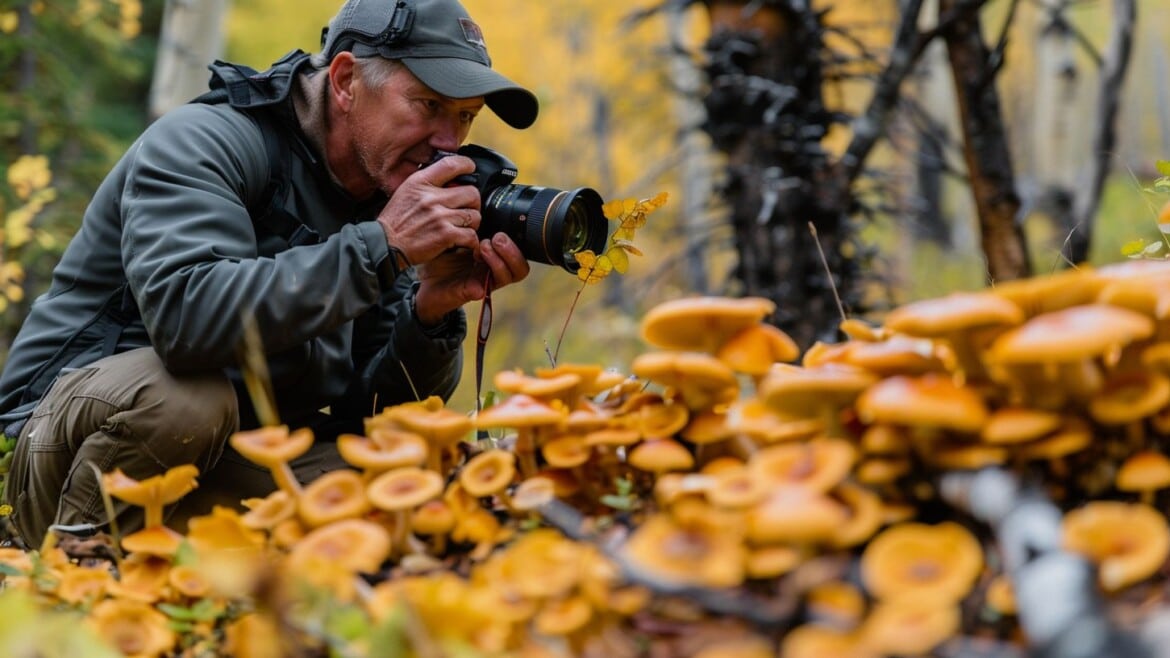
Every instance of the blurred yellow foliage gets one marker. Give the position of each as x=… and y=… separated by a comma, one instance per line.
x=28, y=174
x=29, y=178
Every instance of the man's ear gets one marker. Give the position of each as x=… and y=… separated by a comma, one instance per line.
x=342, y=76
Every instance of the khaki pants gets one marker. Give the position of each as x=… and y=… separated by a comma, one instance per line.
x=127, y=411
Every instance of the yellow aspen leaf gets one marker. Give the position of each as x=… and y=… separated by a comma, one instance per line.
x=617, y=257
x=14, y=292
x=1133, y=247
x=634, y=220
x=616, y=210
x=622, y=234
x=656, y=202
x=593, y=268
x=627, y=246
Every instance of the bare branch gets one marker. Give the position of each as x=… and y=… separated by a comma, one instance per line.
x=1114, y=66
x=867, y=129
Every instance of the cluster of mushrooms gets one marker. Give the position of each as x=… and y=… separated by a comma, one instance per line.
x=588, y=501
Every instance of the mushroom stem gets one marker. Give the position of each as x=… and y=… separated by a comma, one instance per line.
x=743, y=446
x=401, y=531
x=283, y=476
x=153, y=514
x=440, y=544
x=435, y=459
x=526, y=452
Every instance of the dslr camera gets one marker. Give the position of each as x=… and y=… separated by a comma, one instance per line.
x=549, y=225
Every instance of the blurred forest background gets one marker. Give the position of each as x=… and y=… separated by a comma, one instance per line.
x=639, y=98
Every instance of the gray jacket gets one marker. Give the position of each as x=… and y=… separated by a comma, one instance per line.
x=168, y=256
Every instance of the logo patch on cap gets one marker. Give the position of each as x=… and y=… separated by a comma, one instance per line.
x=472, y=33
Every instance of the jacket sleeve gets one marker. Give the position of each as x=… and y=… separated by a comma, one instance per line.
x=398, y=359
x=190, y=255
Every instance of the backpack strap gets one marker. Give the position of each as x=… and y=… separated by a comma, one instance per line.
x=265, y=95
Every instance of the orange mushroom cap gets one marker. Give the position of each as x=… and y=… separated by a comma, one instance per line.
x=520, y=410
x=1130, y=396
x=566, y=451
x=694, y=554
x=755, y=348
x=434, y=517
x=351, y=544
x=661, y=456
x=488, y=473
x=1008, y=425
x=390, y=449
x=561, y=617
x=1144, y=471
x=1052, y=292
x=794, y=514
x=333, y=496
x=404, y=488
x=938, y=317
x=134, y=628
x=266, y=513
x=937, y=563
x=1129, y=542
x=272, y=446
x=701, y=324
x=159, y=489
x=931, y=400
x=817, y=465
x=701, y=379
x=909, y=626
x=157, y=540
x=1071, y=334
x=795, y=390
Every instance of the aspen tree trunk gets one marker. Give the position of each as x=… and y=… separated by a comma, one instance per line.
x=191, y=38
x=1055, y=133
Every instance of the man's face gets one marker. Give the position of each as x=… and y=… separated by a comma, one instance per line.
x=399, y=125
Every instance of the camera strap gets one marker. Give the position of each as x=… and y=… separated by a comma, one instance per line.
x=483, y=329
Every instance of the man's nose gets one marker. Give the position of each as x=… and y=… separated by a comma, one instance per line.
x=447, y=138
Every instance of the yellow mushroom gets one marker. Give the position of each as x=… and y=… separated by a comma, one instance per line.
x=333, y=496
x=273, y=448
x=1128, y=542
x=132, y=627
x=936, y=563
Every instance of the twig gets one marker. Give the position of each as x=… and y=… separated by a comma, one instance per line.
x=828, y=271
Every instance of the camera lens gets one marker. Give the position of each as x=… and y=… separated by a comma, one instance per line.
x=549, y=225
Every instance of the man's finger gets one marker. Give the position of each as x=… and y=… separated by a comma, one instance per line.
x=444, y=171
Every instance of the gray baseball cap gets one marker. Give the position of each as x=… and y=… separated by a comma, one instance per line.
x=438, y=42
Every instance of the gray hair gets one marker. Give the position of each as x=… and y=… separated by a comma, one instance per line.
x=375, y=70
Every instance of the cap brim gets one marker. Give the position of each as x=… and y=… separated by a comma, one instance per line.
x=463, y=78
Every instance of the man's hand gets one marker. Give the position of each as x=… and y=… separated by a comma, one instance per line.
x=424, y=218
x=457, y=277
